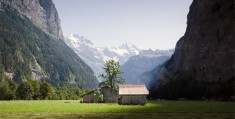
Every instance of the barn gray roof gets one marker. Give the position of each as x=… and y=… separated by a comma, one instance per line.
x=133, y=90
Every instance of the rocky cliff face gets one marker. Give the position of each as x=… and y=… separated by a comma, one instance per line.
x=41, y=12
x=207, y=48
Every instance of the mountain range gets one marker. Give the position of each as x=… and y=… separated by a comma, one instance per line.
x=95, y=56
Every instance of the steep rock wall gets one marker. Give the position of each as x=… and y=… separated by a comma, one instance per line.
x=207, y=49
x=41, y=12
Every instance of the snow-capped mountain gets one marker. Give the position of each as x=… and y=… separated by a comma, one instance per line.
x=94, y=56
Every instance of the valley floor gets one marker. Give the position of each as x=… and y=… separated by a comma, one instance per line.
x=153, y=110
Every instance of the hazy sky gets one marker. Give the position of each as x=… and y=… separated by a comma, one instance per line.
x=156, y=24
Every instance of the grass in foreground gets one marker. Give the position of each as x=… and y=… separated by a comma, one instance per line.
x=154, y=109
x=117, y=115
x=75, y=106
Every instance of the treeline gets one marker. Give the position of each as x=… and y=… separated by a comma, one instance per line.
x=34, y=90
x=187, y=87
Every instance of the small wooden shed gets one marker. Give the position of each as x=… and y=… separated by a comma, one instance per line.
x=133, y=94
x=92, y=97
x=109, y=95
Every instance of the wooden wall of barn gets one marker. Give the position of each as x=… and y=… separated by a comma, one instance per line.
x=109, y=94
x=133, y=99
x=92, y=98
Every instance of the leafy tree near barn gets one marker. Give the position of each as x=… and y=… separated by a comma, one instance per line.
x=112, y=74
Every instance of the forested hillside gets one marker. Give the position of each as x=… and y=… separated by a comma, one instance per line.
x=27, y=52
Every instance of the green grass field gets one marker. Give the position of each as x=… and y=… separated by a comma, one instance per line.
x=154, y=109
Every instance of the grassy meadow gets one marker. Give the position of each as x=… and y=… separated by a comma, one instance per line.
x=153, y=109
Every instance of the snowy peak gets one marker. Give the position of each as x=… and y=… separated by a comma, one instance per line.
x=130, y=48
x=83, y=46
x=124, y=50
x=76, y=39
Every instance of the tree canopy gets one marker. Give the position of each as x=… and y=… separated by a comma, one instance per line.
x=112, y=74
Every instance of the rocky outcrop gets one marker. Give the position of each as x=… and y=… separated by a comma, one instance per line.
x=53, y=21
x=207, y=48
x=41, y=12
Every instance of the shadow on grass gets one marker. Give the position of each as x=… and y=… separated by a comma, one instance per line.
x=178, y=107
x=117, y=115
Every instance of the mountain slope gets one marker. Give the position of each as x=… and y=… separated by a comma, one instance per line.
x=139, y=65
x=28, y=52
x=203, y=61
x=148, y=78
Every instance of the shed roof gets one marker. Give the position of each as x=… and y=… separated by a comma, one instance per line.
x=93, y=91
x=133, y=90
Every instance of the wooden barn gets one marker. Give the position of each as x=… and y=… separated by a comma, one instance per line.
x=133, y=94
x=92, y=97
x=109, y=95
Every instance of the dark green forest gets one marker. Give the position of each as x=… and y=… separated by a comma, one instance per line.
x=24, y=47
x=34, y=90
